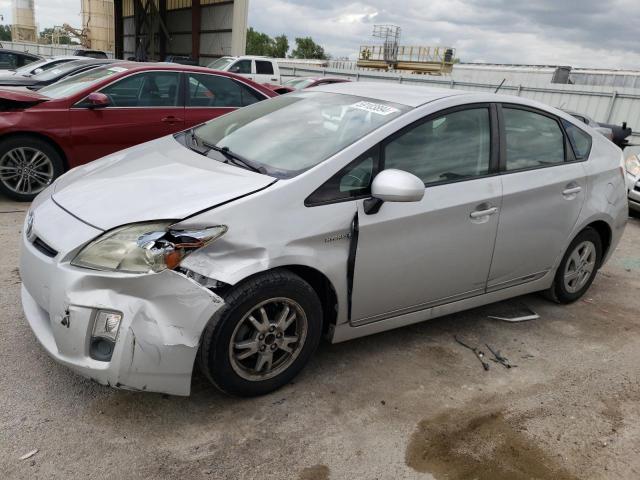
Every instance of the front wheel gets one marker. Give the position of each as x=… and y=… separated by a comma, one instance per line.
x=263, y=336
x=578, y=267
x=28, y=165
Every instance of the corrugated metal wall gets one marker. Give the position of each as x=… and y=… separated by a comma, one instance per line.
x=217, y=17
x=603, y=104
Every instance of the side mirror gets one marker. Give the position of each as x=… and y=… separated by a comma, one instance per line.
x=97, y=100
x=393, y=185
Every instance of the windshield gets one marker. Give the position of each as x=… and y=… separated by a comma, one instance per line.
x=221, y=63
x=76, y=83
x=29, y=67
x=292, y=133
x=298, y=83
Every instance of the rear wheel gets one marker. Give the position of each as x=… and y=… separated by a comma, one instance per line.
x=264, y=335
x=28, y=165
x=578, y=267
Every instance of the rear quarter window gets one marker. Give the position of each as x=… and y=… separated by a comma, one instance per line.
x=579, y=139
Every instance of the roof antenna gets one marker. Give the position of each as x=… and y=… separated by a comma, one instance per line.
x=500, y=86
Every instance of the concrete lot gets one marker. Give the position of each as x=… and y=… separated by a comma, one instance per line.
x=402, y=404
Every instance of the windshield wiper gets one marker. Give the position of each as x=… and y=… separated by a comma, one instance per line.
x=235, y=158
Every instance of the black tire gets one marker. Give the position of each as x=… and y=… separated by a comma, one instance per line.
x=215, y=352
x=31, y=144
x=559, y=291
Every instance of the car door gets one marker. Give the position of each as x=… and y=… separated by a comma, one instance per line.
x=264, y=72
x=210, y=95
x=144, y=106
x=543, y=193
x=243, y=67
x=414, y=255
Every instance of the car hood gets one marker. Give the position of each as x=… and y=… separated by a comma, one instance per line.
x=161, y=179
x=19, y=97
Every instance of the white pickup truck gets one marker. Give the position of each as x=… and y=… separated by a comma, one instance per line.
x=258, y=69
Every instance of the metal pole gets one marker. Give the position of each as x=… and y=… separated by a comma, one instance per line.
x=611, y=105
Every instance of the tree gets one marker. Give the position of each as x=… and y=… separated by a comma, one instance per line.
x=280, y=46
x=5, y=33
x=259, y=43
x=307, y=48
x=48, y=35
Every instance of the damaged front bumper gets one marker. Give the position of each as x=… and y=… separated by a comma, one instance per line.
x=163, y=316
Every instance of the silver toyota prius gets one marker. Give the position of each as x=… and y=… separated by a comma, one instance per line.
x=340, y=212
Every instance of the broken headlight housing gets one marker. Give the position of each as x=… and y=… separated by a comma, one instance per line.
x=149, y=247
x=632, y=165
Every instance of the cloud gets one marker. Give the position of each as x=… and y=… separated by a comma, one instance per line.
x=590, y=33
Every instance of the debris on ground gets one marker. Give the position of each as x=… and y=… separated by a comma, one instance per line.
x=29, y=455
x=499, y=358
x=478, y=353
x=512, y=311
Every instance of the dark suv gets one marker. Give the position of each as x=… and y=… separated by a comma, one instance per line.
x=90, y=53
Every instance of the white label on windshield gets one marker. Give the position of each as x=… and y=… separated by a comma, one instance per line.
x=117, y=69
x=378, y=108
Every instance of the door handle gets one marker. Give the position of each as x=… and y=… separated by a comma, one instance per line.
x=171, y=119
x=274, y=79
x=483, y=213
x=571, y=191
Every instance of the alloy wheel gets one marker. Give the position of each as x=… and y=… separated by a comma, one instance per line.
x=580, y=266
x=268, y=339
x=26, y=170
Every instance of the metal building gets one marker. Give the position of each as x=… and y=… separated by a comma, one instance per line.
x=200, y=29
x=24, y=28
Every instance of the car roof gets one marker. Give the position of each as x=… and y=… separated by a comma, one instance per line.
x=409, y=95
x=18, y=52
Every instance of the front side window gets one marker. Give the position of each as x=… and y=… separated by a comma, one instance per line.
x=353, y=181
x=149, y=89
x=241, y=66
x=292, y=133
x=264, y=68
x=533, y=140
x=454, y=146
x=579, y=139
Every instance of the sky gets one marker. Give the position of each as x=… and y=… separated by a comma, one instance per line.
x=580, y=33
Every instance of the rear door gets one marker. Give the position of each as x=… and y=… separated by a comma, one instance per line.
x=544, y=189
x=144, y=106
x=210, y=95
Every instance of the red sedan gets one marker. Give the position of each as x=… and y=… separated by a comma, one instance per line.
x=103, y=110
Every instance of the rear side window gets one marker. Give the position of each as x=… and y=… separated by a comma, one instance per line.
x=264, y=68
x=579, y=139
x=454, y=146
x=249, y=95
x=533, y=140
x=213, y=91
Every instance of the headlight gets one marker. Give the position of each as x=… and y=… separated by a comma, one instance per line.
x=144, y=247
x=632, y=164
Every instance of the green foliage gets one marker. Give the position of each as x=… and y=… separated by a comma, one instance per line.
x=5, y=33
x=307, y=48
x=280, y=46
x=259, y=43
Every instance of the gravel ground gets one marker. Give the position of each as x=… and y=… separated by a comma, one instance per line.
x=409, y=403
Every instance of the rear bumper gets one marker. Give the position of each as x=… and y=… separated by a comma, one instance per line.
x=164, y=315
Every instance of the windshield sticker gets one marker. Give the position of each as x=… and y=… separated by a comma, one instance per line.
x=378, y=108
x=117, y=69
